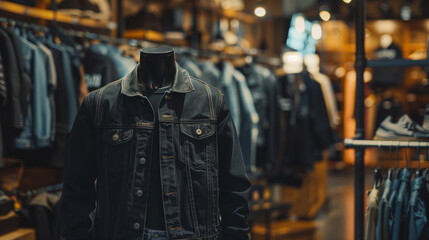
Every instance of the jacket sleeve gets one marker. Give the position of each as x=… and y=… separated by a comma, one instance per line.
x=234, y=186
x=78, y=196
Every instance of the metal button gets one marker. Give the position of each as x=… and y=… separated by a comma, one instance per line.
x=142, y=161
x=136, y=226
x=115, y=137
x=139, y=193
x=156, y=235
x=199, y=132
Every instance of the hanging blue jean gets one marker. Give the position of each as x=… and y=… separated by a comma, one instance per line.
x=39, y=118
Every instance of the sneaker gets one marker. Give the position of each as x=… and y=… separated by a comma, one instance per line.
x=96, y=9
x=70, y=7
x=404, y=129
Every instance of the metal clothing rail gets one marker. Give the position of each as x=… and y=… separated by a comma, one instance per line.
x=353, y=143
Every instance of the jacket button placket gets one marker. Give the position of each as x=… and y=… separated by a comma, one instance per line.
x=139, y=201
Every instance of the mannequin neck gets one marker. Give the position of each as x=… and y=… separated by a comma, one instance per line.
x=157, y=67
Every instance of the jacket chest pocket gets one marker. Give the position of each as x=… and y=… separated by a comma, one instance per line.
x=198, y=144
x=117, y=148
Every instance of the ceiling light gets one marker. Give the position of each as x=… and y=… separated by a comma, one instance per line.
x=300, y=23
x=347, y=1
x=260, y=11
x=325, y=15
x=316, y=31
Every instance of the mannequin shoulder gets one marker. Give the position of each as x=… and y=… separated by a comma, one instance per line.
x=201, y=85
x=108, y=89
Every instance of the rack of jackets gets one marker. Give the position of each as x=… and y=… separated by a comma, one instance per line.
x=398, y=202
x=398, y=205
x=42, y=83
x=305, y=129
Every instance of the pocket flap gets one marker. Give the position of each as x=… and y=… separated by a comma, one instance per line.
x=117, y=136
x=198, y=130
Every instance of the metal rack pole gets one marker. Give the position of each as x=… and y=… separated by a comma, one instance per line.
x=359, y=114
x=353, y=143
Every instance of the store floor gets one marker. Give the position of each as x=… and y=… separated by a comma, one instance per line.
x=336, y=219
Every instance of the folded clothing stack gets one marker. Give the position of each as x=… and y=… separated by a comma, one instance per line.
x=404, y=129
x=9, y=221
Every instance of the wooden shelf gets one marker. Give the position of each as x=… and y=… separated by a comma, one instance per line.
x=20, y=234
x=49, y=15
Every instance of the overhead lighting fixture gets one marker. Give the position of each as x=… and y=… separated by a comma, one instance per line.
x=300, y=23
x=260, y=11
x=316, y=31
x=347, y=1
x=324, y=13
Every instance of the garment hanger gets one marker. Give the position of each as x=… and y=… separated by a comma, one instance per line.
x=391, y=171
x=426, y=172
x=377, y=172
x=418, y=171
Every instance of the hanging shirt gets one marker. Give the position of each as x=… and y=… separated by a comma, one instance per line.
x=401, y=203
x=371, y=213
x=382, y=226
x=418, y=226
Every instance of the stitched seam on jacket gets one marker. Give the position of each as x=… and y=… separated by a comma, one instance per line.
x=97, y=109
x=209, y=96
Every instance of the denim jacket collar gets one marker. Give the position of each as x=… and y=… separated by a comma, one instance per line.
x=182, y=82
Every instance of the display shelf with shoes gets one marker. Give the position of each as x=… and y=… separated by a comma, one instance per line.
x=405, y=129
x=21, y=12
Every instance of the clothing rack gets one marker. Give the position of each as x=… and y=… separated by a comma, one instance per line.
x=358, y=143
x=353, y=143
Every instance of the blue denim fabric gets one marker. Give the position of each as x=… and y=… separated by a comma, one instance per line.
x=401, y=203
x=150, y=234
x=418, y=226
x=39, y=120
x=249, y=121
x=231, y=92
x=124, y=65
x=68, y=81
x=210, y=74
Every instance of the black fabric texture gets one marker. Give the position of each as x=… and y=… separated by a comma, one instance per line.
x=100, y=74
x=155, y=210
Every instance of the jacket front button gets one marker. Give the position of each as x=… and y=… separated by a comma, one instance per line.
x=143, y=161
x=199, y=132
x=115, y=137
x=139, y=193
x=136, y=226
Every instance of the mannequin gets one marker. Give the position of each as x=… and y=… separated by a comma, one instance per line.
x=162, y=65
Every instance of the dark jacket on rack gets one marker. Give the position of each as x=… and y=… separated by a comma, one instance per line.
x=15, y=107
x=305, y=129
x=204, y=183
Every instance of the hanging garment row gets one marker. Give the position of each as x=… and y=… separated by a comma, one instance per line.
x=398, y=205
x=42, y=83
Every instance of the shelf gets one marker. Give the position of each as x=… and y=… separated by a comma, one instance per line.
x=49, y=15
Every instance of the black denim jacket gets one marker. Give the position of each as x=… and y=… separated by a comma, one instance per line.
x=204, y=184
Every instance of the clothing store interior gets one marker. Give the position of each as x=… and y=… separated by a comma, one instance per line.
x=214, y=119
